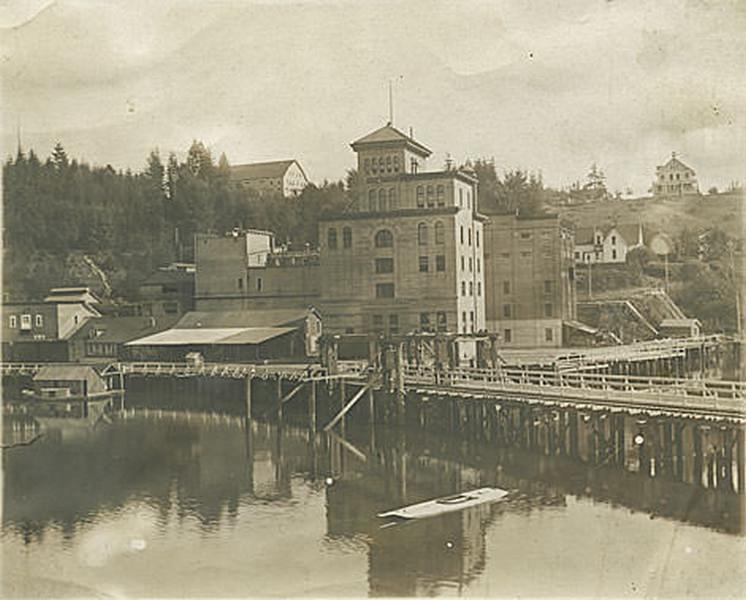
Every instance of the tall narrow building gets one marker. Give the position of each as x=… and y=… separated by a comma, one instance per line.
x=407, y=253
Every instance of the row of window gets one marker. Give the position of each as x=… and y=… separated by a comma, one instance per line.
x=386, y=265
x=509, y=313
x=471, y=326
x=385, y=239
x=381, y=199
x=471, y=288
x=672, y=176
x=430, y=196
x=440, y=323
x=471, y=264
x=378, y=165
x=508, y=335
x=548, y=286
x=469, y=236
x=331, y=238
x=423, y=235
x=25, y=321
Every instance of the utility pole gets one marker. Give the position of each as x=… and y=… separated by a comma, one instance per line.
x=737, y=289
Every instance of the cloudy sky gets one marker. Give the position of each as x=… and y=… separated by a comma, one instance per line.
x=539, y=85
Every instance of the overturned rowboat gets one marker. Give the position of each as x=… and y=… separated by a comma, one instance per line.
x=447, y=504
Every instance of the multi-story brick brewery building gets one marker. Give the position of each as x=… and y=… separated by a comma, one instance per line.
x=407, y=254
x=529, y=279
x=410, y=253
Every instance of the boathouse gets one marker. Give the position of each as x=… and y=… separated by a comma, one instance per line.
x=68, y=380
x=234, y=336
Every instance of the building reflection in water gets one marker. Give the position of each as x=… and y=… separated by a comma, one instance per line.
x=207, y=467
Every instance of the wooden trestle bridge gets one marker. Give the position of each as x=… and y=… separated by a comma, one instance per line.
x=654, y=395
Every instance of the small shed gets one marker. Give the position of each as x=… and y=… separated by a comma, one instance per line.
x=680, y=328
x=78, y=380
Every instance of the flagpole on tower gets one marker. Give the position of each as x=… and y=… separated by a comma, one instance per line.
x=391, y=103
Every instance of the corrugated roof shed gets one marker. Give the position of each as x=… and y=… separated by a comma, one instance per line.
x=217, y=336
x=261, y=170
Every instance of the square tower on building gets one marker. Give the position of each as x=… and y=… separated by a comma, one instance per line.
x=407, y=253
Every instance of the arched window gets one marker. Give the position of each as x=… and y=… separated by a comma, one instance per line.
x=396, y=163
x=392, y=198
x=430, y=196
x=372, y=200
x=422, y=234
x=331, y=238
x=420, y=196
x=382, y=200
x=367, y=166
x=384, y=239
x=441, y=194
x=460, y=197
x=374, y=165
x=440, y=233
x=347, y=237
x=388, y=164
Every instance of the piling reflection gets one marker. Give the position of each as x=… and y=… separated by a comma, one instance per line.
x=208, y=468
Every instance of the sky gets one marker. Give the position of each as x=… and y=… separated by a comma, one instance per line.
x=545, y=86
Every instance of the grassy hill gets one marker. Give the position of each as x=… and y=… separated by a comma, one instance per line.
x=725, y=211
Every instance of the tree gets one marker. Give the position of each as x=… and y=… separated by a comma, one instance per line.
x=59, y=157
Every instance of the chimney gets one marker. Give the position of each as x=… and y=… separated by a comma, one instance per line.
x=411, y=133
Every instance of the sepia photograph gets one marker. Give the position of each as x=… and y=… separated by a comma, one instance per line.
x=348, y=299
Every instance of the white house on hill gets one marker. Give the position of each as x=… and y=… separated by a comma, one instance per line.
x=674, y=179
x=607, y=244
x=284, y=177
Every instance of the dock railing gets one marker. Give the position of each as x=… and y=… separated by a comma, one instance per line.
x=729, y=395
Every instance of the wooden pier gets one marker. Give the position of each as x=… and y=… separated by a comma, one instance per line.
x=672, y=396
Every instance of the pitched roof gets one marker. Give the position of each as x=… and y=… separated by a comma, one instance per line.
x=261, y=170
x=628, y=231
x=674, y=164
x=72, y=294
x=65, y=373
x=387, y=134
x=241, y=318
x=111, y=328
x=212, y=336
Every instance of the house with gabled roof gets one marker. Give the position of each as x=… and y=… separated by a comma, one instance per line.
x=607, y=244
x=674, y=179
x=285, y=177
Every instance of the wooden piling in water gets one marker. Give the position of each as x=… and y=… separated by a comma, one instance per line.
x=312, y=409
x=247, y=396
x=279, y=399
x=740, y=459
x=698, y=458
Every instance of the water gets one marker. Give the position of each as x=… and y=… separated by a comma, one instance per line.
x=173, y=504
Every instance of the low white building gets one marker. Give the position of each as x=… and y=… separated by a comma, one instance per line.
x=281, y=177
x=608, y=244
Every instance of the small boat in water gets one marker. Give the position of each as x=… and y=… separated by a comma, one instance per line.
x=438, y=506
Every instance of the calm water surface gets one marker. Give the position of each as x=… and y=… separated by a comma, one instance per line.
x=190, y=504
